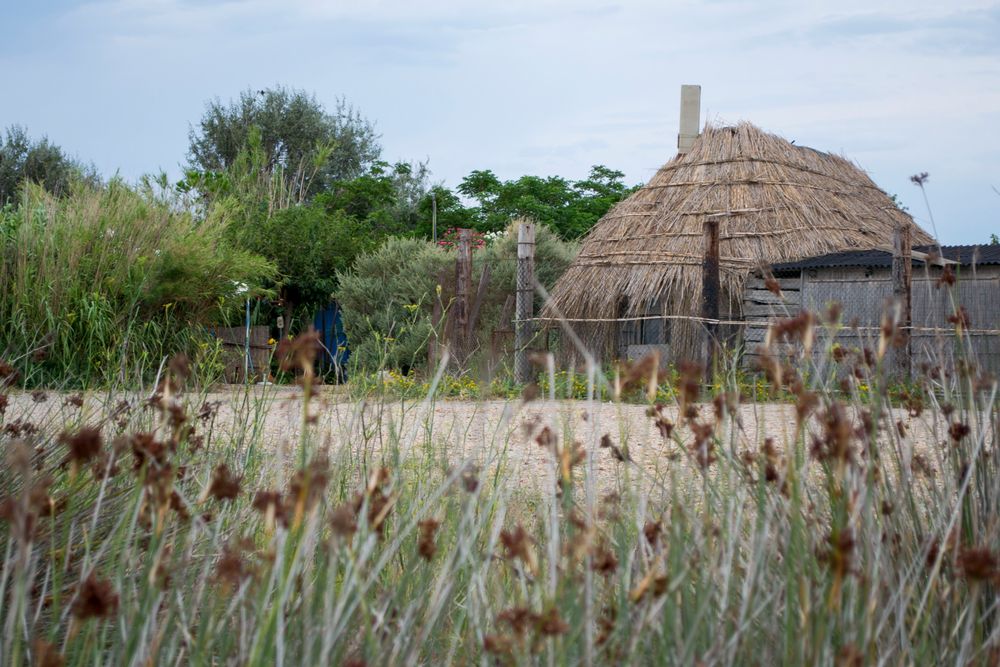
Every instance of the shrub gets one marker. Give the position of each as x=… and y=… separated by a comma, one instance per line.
x=388, y=296
x=552, y=257
x=387, y=299
x=309, y=246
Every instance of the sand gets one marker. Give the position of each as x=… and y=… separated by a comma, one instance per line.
x=479, y=433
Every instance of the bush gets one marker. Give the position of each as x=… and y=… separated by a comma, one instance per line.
x=309, y=246
x=387, y=299
x=552, y=257
x=388, y=296
x=104, y=281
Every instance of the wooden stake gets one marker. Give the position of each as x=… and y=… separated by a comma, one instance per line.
x=463, y=286
x=523, y=326
x=710, y=288
x=434, y=216
x=902, y=284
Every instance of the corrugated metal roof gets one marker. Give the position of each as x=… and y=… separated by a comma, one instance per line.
x=964, y=255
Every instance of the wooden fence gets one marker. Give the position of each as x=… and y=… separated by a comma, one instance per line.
x=234, y=353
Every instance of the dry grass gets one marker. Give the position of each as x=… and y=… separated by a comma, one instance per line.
x=295, y=528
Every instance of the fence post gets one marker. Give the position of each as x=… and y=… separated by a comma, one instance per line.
x=710, y=288
x=902, y=284
x=463, y=286
x=523, y=329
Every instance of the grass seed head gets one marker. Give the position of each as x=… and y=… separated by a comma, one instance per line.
x=978, y=564
x=225, y=485
x=45, y=654
x=96, y=598
x=233, y=567
x=426, y=545
x=344, y=520
x=83, y=445
x=8, y=374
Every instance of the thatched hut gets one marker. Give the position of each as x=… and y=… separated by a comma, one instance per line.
x=775, y=202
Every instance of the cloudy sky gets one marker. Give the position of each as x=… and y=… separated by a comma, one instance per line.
x=534, y=86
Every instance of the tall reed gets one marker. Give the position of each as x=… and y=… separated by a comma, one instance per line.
x=101, y=284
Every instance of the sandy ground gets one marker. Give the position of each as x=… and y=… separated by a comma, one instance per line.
x=480, y=433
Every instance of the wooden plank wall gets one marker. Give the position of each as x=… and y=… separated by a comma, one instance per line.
x=233, y=339
x=761, y=306
x=864, y=294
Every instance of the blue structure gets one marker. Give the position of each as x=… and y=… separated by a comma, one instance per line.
x=330, y=325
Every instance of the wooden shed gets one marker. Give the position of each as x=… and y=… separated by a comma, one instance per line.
x=861, y=282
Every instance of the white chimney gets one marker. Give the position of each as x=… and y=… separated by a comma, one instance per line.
x=690, y=118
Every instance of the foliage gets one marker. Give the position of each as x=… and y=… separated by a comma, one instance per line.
x=309, y=245
x=312, y=147
x=569, y=208
x=309, y=239
x=394, y=384
x=552, y=257
x=100, y=281
x=41, y=161
x=451, y=213
x=384, y=199
x=451, y=239
x=387, y=297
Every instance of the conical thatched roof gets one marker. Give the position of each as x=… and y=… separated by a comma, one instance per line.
x=775, y=202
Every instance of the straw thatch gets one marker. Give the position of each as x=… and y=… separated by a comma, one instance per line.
x=775, y=202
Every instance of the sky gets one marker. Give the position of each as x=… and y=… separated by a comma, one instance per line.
x=542, y=87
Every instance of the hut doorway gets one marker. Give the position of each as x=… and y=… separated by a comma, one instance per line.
x=639, y=334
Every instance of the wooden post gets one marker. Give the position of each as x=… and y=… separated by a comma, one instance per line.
x=710, y=288
x=439, y=317
x=477, y=303
x=434, y=343
x=902, y=283
x=434, y=217
x=523, y=329
x=463, y=286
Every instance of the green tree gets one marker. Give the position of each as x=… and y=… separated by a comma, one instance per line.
x=314, y=148
x=569, y=208
x=310, y=241
x=451, y=213
x=42, y=162
x=309, y=245
x=387, y=199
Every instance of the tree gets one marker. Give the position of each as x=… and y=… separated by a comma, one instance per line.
x=451, y=213
x=310, y=240
x=41, y=161
x=386, y=198
x=314, y=148
x=569, y=208
x=309, y=245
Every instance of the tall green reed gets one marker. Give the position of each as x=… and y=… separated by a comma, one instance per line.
x=100, y=285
